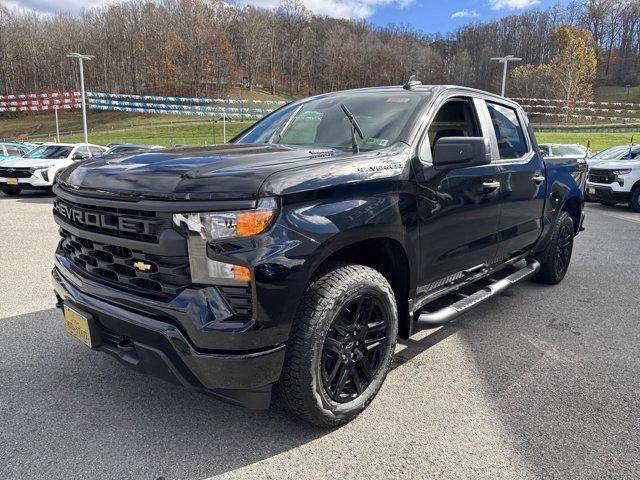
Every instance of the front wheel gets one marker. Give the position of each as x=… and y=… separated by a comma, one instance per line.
x=554, y=259
x=341, y=345
x=634, y=199
x=12, y=192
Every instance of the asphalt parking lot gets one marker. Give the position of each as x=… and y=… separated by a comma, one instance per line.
x=542, y=382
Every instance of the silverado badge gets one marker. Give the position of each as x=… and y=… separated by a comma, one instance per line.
x=143, y=267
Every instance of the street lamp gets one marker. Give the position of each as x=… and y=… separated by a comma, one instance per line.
x=55, y=110
x=505, y=61
x=81, y=58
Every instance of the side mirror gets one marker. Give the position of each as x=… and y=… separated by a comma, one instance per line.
x=78, y=156
x=459, y=152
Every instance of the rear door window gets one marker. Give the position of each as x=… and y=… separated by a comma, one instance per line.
x=512, y=142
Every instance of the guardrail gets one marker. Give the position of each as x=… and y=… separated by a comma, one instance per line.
x=581, y=109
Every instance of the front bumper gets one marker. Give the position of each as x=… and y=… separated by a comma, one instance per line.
x=605, y=193
x=158, y=348
x=34, y=182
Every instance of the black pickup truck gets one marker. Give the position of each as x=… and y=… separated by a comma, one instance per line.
x=289, y=261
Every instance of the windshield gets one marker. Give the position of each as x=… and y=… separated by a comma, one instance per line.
x=322, y=122
x=613, y=153
x=50, y=151
x=124, y=148
x=562, y=150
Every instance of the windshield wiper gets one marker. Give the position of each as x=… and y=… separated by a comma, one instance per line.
x=355, y=128
x=280, y=132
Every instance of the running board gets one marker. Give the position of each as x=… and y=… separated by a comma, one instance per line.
x=448, y=313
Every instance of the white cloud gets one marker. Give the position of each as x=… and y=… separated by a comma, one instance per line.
x=55, y=6
x=512, y=4
x=466, y=14
x=353, y=9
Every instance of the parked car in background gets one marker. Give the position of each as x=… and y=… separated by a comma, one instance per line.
x=36, y=169
x=131, y=148
x=564, y=150
x=614, y=176
x=10, y=150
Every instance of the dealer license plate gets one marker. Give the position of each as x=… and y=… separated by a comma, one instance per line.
x=77, y=325
x=12, y=181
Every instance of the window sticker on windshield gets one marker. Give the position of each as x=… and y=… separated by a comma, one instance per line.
x=383, y=142
x=398, y=99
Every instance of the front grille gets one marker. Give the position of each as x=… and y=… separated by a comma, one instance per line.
x=114, y=265
x=102, y=244
x=15, y=172
x=126, y=223
x=601, y=176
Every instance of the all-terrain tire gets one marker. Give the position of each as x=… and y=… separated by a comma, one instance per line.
x=555, y=258
x=303, y=384
x=12, y=192
x=634, y=199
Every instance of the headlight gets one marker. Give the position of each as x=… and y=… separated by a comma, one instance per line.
x=221, y=225
x=208, y=226
x=626, y=171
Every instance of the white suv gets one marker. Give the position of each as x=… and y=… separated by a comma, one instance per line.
x=616, y=178
x=36, y=170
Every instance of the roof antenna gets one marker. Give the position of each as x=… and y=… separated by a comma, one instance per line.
x=412, y=83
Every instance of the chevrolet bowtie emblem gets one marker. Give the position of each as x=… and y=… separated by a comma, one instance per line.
x=143, y=267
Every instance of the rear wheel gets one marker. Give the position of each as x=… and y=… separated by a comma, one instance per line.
x=554, y=259
x=12, y=192
x=341, y=345
x=607, y=204
x=634, y=199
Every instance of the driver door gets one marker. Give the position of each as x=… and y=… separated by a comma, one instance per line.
x=458, y=209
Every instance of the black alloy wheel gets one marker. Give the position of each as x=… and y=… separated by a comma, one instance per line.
x=354, y=348
x=556, y=256
x=563, y=251
x=341, y=345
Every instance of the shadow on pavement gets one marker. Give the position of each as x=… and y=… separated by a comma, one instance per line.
x=30, y=196
x=74, y=413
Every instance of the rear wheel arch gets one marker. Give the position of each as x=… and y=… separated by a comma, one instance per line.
x=573, y=206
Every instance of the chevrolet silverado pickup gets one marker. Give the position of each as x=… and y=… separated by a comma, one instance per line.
x=288, y=262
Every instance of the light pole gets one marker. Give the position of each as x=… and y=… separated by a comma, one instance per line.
x=55, y=109
x=505, y=61
x=81, y=58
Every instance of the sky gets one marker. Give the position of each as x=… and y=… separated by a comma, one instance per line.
x=428, y=16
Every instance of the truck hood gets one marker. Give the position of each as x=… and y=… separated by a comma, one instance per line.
x=11, y=157
x=616, y=164
x=216, y=172
x=33, y=162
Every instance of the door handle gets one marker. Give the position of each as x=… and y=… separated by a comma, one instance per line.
x=490, y=186
x=538, y=179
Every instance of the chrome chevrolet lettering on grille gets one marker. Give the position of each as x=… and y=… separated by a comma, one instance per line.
x=114, y=222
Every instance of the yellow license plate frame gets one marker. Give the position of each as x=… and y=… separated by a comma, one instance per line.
x=77, y=325
x=12, y=181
